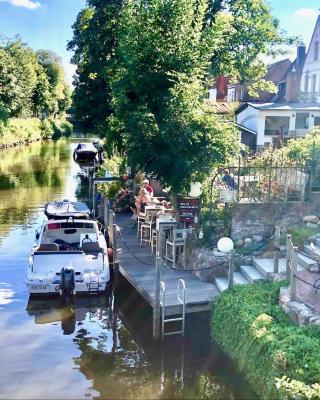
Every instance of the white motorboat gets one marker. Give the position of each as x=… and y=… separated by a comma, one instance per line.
x=70, y=254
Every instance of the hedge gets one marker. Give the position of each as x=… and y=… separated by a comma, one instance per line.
x=20, y=130
x=280, y=360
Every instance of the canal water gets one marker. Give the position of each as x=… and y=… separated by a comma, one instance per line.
x=98, y=348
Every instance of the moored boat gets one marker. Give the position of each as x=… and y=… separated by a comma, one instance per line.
x=85, y=152
x=70, y=254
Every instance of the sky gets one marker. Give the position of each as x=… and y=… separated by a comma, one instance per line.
x=46, y=24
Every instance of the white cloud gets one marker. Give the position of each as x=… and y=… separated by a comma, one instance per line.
x=306, y=13
x=31, y=4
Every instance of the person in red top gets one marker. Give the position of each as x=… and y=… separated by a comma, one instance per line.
x=146, y=185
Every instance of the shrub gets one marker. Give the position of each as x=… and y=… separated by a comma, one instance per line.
x=279, y=359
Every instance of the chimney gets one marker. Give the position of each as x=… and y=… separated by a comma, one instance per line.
x=301, y=54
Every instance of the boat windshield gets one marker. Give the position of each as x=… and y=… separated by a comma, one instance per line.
x=68, y=235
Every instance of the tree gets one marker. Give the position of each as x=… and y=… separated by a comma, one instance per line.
x=93, y=43
x=8, y=88
x=31, y=83
x=59, y=92
x=165, y=51
x=23, y=68
x=41, y=95
x=249, y=31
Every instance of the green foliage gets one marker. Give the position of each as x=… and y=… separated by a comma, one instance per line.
x=31, y=129
x=278, y=358
x=93, y=44
x=158, y=91
x=300, y=234
x=31, y=84
x=247, y=30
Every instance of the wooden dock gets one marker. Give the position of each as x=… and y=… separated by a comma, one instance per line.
x=137, y=266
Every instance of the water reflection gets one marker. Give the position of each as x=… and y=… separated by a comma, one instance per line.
x=118, y=356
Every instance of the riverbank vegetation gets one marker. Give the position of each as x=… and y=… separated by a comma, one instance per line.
x=33, y=94
x=152, y=95
x=25, y=130
x=279, y=359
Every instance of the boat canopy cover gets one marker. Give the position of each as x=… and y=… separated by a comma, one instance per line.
x=65, y=209
x=86, y=147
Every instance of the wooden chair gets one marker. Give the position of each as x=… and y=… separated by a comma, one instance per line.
x=154, y=239
x=175, y=245
x=140, y=220
x=147, y=226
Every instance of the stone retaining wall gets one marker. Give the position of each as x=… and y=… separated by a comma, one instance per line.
x=299, y=313
x=254, y=219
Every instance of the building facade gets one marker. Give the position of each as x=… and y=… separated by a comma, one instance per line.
x=310, y=77
x=275, y=122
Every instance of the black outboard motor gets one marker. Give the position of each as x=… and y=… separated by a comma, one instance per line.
x=67, y=283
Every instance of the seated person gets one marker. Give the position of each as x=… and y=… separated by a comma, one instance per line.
x=146, y=185
x=142, y=200
x=229, y=180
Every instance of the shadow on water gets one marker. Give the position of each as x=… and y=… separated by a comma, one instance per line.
x=90, y=347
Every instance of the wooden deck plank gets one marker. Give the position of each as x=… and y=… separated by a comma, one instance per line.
x=137, y=266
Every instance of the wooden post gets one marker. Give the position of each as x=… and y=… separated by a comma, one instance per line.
x=293, y=279
x=105, y=213
x=156, y=306
x=288, y=256
x=276, y=250
x=93, y=200
x=231, y=269
x=115, y=257
x=110, y=226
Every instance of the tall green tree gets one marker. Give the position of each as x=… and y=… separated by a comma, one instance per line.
x=59, y=92
x=93, y=43
x=166, y=50
x=31, y=84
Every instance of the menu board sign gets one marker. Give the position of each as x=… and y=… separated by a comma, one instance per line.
x=189, y=210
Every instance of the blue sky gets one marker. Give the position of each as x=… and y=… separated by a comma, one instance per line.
x=47, y=23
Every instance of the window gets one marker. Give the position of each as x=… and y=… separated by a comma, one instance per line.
x=313, y=83
x=302, y=120
x=316, y=51
x=306, y=82
x=231, y=94
x=316, y=121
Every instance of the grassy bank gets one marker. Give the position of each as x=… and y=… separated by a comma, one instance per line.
x=280, y=360
x=17, y=130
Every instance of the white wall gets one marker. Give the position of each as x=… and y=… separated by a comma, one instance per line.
x=213, y=94
x=231, y=96
x=312, y=66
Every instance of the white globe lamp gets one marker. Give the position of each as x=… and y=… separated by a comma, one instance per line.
x=195, y=189
x=225, y=245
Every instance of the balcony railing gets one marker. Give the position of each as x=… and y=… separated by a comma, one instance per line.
x=308, y=97
x=298, y=132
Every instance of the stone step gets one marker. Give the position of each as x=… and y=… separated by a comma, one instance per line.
x=221, y=283
x=238, y=279
x=251, y=273
x=312, y=251
x=316, y=242
x=265, y=266
x=305, y=262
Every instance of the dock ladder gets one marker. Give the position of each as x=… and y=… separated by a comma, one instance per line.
x=93, y=286
x=181, y=300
